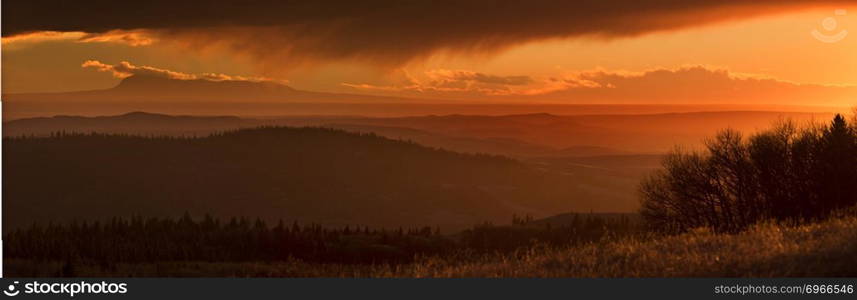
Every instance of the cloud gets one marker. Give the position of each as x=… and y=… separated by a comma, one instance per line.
x=444, y=77
x=274, y=32
x=452, y=82
x=41, y=36
x=688, y=84
x=695, y=84
x=125, y=69
x=132, y=38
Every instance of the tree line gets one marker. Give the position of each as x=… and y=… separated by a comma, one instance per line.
x=152, y=240
x=788, y=173
x=138, y=239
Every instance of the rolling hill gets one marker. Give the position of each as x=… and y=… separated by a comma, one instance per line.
x=143, y=123
x=307, y=174
x=646, y=133
x=528, y=135
x=129, y=123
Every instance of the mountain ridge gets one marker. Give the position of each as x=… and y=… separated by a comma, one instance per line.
x=160, y=89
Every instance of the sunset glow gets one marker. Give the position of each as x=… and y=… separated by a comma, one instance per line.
x=735, y=54
x=705, y=139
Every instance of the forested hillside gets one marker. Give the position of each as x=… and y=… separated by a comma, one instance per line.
x=308, y=174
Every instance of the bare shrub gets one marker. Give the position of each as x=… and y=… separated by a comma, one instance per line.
x=785, y=173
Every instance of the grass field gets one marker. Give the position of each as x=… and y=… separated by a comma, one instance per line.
x=766, y=250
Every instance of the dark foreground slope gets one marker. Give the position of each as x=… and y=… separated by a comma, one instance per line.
x=824, y=249
x=304, y=174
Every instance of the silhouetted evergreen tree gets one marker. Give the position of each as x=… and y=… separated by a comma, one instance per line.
x=153, y=240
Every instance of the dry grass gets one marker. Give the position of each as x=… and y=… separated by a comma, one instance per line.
x=767, y=250
x=815, y=250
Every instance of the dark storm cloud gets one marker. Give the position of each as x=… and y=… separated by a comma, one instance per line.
x=385, y=31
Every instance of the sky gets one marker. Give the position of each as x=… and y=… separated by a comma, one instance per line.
x=661, y=51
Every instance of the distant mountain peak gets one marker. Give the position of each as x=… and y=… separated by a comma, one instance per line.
x=140, y=114
x=148, y=92
x=533, y=115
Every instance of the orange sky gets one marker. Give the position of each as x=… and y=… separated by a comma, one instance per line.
x=749, y=58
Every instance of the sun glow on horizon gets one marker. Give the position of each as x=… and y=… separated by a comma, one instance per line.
x=778, y=47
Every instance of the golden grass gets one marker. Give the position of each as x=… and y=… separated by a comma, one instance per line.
x=767, y=250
